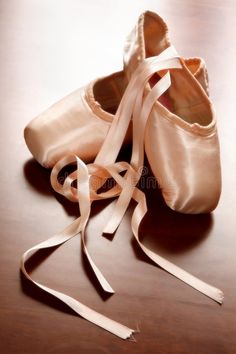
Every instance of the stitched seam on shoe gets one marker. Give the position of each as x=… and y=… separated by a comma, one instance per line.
x=195, y=128
x=95, y=106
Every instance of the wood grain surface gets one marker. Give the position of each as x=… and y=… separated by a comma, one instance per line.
x=48, y=49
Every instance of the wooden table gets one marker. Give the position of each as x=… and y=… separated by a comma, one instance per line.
x=49, y=48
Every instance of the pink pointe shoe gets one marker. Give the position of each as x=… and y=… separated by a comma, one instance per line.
x=181, y=140
x=164, y=99
x=78, y=123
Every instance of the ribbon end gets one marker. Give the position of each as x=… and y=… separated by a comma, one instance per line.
x=109, y=291
x=131, y=337
x=110, y=228
x=220, y=297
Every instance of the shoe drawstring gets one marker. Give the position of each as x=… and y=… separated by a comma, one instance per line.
x=136, y=105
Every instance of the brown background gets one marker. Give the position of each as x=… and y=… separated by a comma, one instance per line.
x=49, y=48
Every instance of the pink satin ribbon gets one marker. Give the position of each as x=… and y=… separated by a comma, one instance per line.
x=136, y=104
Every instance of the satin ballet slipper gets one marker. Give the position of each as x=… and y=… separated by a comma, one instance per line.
x=181, y=139
x=80, y=121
